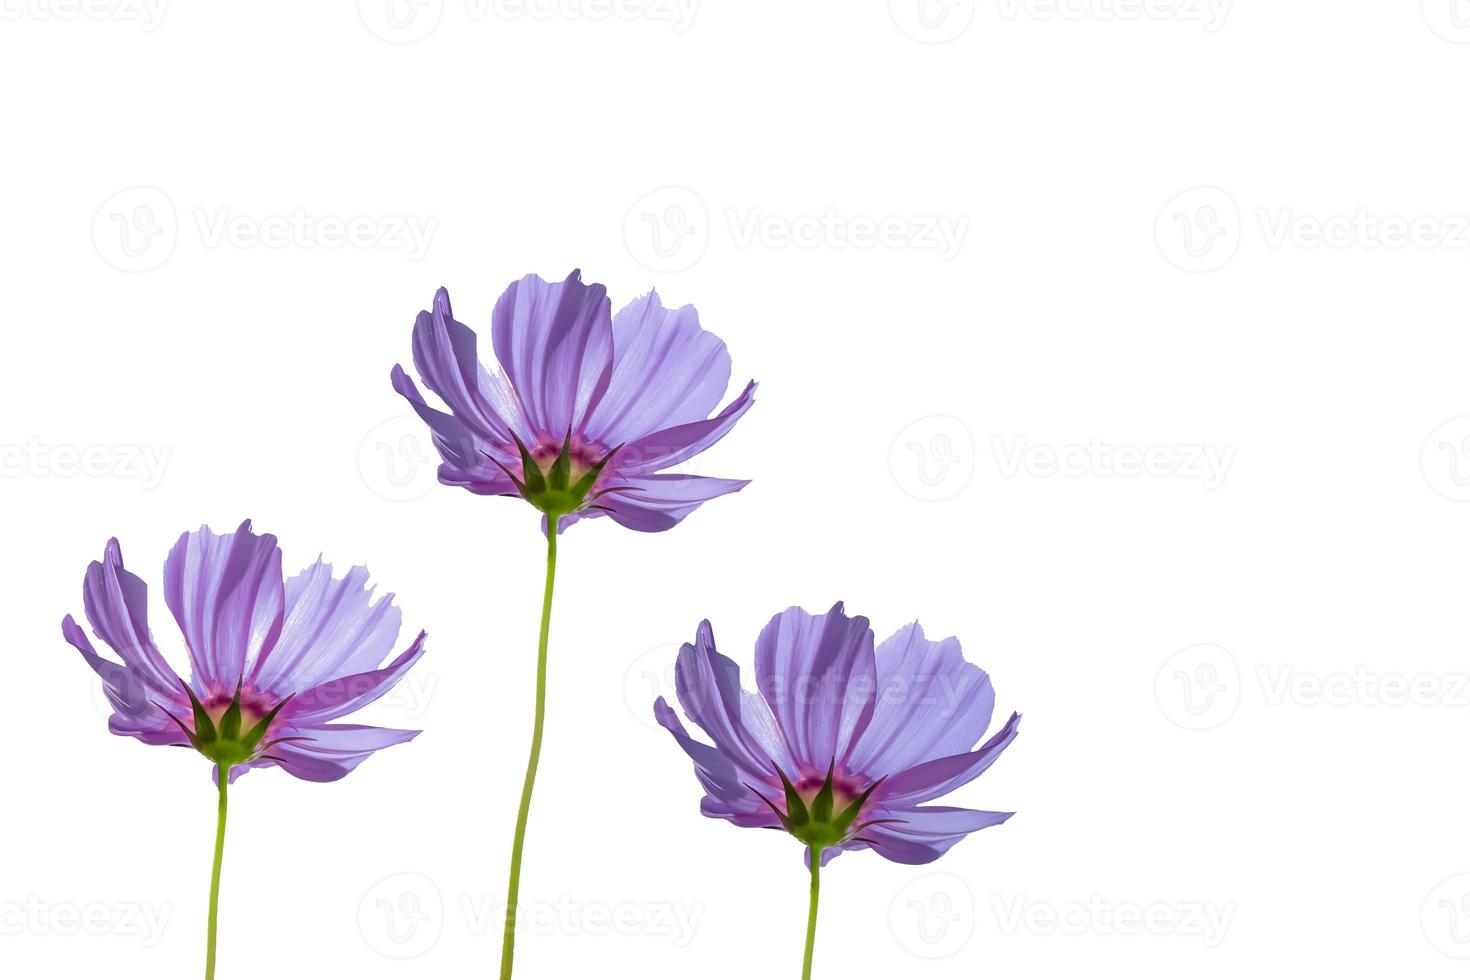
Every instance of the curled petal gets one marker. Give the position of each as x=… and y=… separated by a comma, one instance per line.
x=661, y=500
x=933, y=779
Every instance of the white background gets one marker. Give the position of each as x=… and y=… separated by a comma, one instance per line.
x=1180, y=232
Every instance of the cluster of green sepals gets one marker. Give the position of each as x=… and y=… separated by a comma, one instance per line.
x=816, y=825
x=552, y=491
x=224, y=743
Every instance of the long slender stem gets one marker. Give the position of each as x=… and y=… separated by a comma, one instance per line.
x=508, y=944
x=811, y=915
x=219, y=859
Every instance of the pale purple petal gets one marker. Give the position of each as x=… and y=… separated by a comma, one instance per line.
x=225, y=590
x=134, y=701
x=656, y=502
x=341, y=696
x=554, y=342
x=926, y=833
x=931, y=703
x=332, y=627
x=335, y=750
x=728, y=795
x=708, y=685
x=445, y=353
x=116, y=602
x=933, y=779
x=817, y=674
x=671, y=446
x=469, y=459
x=666, y=371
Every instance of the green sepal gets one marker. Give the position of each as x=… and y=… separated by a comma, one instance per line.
x=561, y=467
x=203, y=724
x=229, y=722
x=579, y=490
x=796, y=811
x=532, y=477
x=822, y=802
x=845, y=819
x=253, y=737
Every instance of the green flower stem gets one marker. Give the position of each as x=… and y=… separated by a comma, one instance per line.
x=508, y=944
x=219, y=858
x=811, y=915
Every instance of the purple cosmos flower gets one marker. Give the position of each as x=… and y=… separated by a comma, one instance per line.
x=273, y=663
x=846, y=743
x=279, y=661
x=587, y=410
